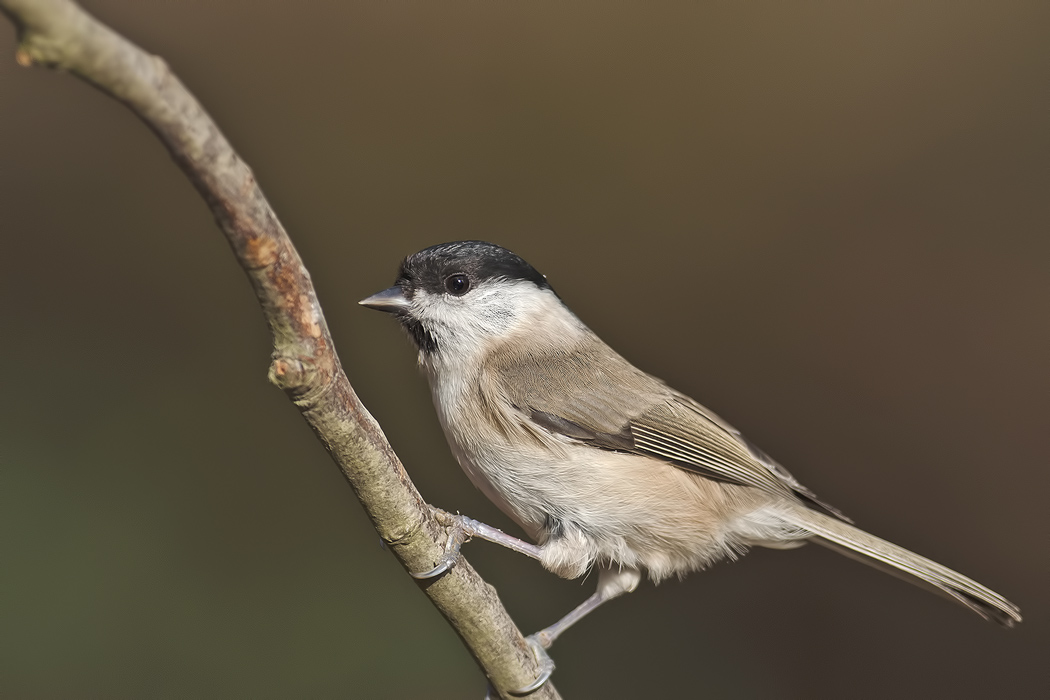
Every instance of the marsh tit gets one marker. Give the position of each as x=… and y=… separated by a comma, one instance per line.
x=601, y=464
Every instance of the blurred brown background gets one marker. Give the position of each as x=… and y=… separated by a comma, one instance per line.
x=826, y=221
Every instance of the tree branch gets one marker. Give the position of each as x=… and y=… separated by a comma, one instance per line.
x=59, y=34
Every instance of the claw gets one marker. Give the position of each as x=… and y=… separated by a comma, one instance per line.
x=546, y=669
x=457, y=535
x=446, y=563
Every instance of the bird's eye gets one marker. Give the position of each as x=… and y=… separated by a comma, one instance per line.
x=457, y=285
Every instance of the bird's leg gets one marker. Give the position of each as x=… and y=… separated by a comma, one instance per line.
x=461, y=529
x=612, y=583
x=545, y=637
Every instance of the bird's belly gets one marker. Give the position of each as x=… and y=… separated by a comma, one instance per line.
x=590, y=506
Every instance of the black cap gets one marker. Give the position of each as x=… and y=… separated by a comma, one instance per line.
x=480, y=261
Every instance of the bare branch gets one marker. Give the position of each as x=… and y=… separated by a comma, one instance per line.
x=59, y=34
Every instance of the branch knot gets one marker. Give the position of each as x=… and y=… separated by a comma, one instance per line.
x=292, y=375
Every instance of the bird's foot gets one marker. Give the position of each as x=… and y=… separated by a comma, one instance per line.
x=458, y=533
x=546, y=667
x=461, y=528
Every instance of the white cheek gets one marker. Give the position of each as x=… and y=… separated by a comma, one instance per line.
x=465, y=328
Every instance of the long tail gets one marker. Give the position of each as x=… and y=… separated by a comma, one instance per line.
x=897, y=561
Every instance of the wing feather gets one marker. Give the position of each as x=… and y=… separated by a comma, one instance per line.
x=580, y=393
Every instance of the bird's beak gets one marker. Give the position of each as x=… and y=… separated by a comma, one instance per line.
x=390, y=300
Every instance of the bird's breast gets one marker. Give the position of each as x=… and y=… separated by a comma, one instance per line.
x=478, y=436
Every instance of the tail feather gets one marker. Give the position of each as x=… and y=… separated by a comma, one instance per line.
x=886, y=556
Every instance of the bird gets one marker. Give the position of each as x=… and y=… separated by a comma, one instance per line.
x=601, y=464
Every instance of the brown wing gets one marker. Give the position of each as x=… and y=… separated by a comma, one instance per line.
x=613, y=405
